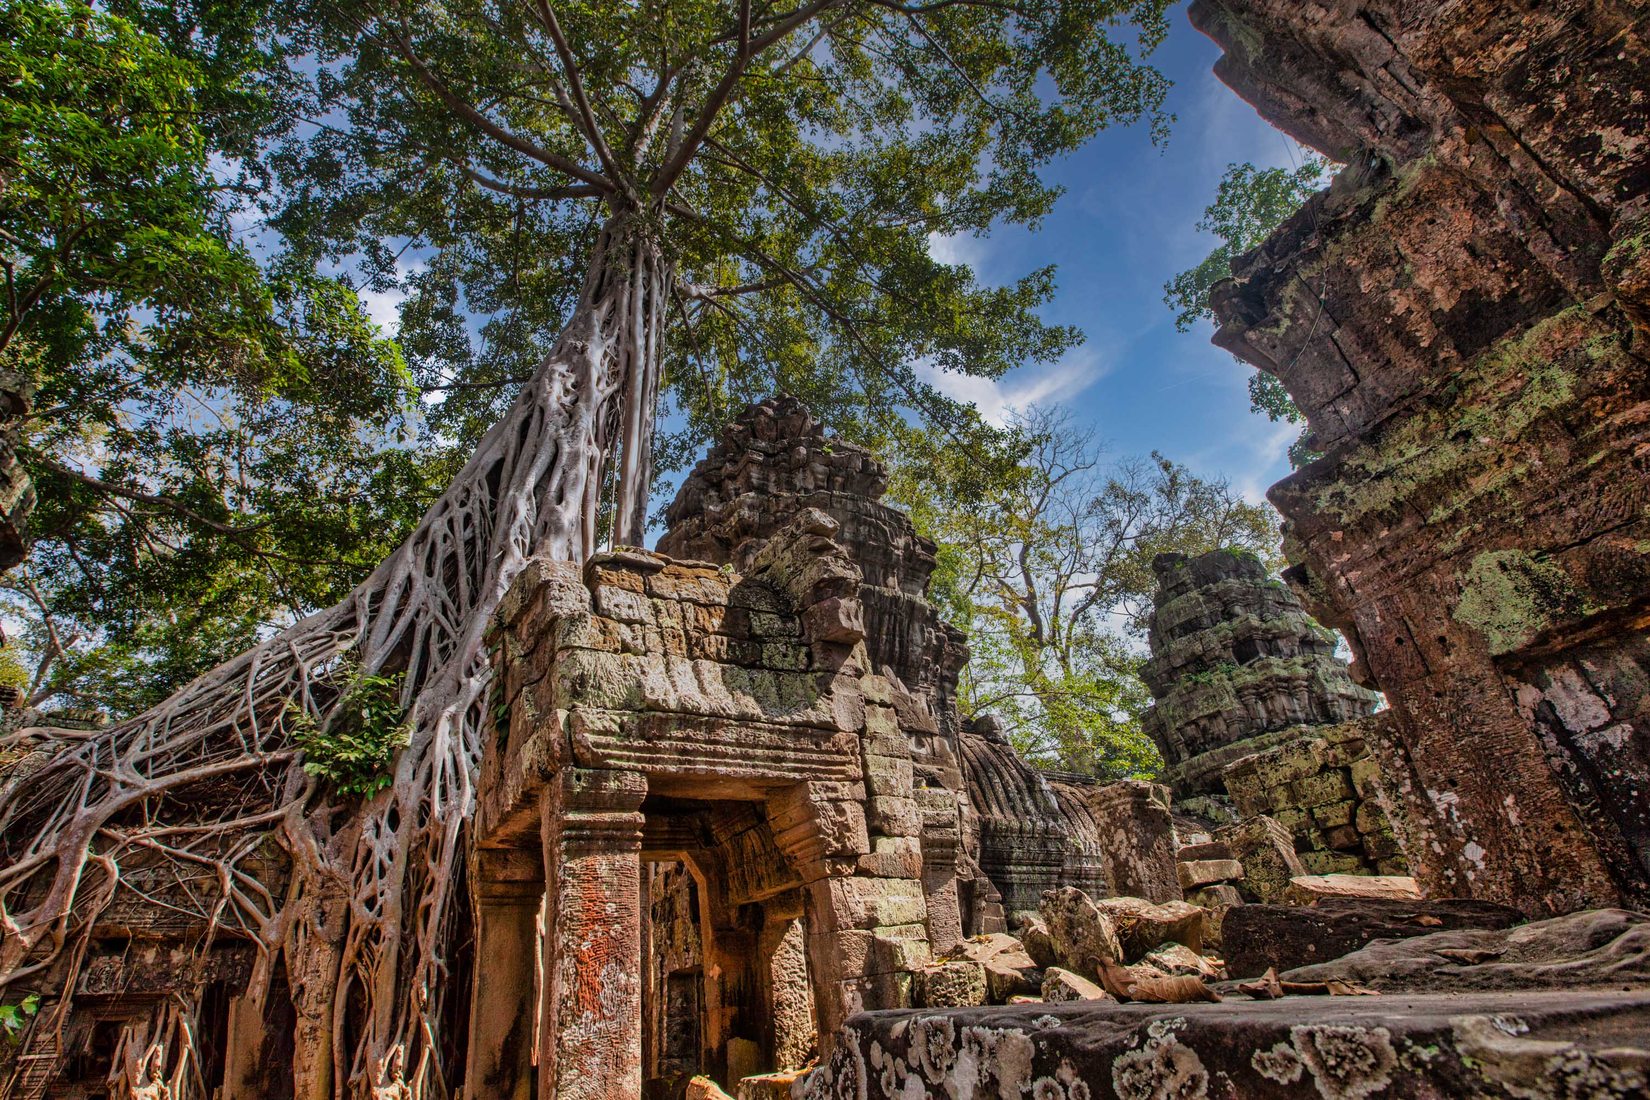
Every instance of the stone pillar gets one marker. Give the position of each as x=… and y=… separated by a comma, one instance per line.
x=508, y=888
x=941, y=840
x=865, y=932
x=1137, y=839
x=591, y=1044
x=787, y=986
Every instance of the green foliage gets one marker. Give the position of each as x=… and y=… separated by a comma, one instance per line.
x=354, y=749
x=213, y=450
x=1045, y=555
x=1249, y=205
x=13, y=1018
x=794, y=163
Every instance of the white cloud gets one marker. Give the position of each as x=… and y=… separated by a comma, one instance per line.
x=998, y=398
x=384, y=307
x=1257, y=468
x=958, y=248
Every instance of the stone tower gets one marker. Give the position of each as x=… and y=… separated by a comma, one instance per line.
x=1237, y=666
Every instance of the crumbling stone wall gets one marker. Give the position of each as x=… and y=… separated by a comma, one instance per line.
x=1324, y=787
x=1253, y=709
x=1462, y=318
x=1236, y=667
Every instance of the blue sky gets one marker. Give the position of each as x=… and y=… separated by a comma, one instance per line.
x=1126, y=223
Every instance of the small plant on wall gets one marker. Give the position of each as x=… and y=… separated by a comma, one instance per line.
x=354, y=749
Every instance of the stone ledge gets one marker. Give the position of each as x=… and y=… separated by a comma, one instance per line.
x=1484, y=1045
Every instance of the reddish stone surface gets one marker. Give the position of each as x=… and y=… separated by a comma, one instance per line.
x=1461, y=317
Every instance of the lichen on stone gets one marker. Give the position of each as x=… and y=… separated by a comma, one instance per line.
x=1510, y=596
x=1346, y=1063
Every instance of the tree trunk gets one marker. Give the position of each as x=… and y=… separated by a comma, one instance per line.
x=531, y=488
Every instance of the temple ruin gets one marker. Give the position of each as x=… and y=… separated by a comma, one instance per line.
x=728, y=803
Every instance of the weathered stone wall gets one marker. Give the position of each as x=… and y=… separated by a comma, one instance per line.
x=1324, y=788
x=1033, y=835
x=1462, y=319
x=1236, y=666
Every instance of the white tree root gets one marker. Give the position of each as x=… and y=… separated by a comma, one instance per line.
x=188, y=792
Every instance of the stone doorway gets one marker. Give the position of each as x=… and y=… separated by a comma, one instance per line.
x=726, y=986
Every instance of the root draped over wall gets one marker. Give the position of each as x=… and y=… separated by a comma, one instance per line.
x=201, y=787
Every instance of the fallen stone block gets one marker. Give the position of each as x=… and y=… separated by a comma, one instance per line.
x=1034, y=936
x=1142, y=925
x=1306, y=889
x=1592, y=949
x=703, y=1088
x=769, y=1086
x=1009, y=968
x=1061, y=985
x=959, y=983
x=1267, y=851
x=1211, y=849
x=1080, y=933
x=1206, y=872
x=1255, y=937
x=1177, y=958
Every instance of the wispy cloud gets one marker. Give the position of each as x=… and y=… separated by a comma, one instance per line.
x=999, y=398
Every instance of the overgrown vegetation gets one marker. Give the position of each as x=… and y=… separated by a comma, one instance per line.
x=1047, y=562
x=354, y=746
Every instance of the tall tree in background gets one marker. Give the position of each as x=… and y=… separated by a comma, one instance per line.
x=1250, y=204
x=652, y=192
x=211, y=438
x=1053, y=577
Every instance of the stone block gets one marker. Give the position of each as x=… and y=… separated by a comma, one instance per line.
x=703, y=1088
x=1382, y=846
x=1038, y=944
x=1136, y=839
x=1259, y=936
x=894, y=815
x=957, y=983
x=1306, y=889
x=888, y=775
x=1061, y=986
x=1296, y=822
x=769, y=1086
x=1217, y=896
x=893, y=857
x=1142, y=925
x=1365, y=773
x=1335, y=813
x=1205, y=872
x=1267, y=852
x=1344, y=838
x=1213, y=849
x=1080, y=934
x=879, y=902
x=1370, y=818
x=1322, y=789
x=1009, y=968
x=1322, y=862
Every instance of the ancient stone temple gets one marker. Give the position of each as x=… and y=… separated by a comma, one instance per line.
x=1463, y=319
x=735, y=772
x=1258, y=716
x=1236, y=667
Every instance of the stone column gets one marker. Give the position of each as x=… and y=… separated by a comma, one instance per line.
x=1137, y=839
x=590, y=1047
x=865, y=932
x=788, y=993
x=508, y=886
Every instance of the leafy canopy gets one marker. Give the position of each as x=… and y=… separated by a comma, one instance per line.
x=794, y=162
x=208, y=428
x=1050, y=570
x=1249, y=205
